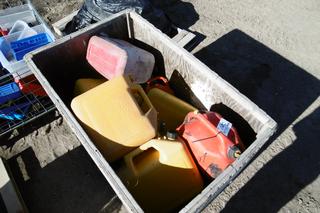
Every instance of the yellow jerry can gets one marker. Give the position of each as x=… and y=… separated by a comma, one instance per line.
x=171, y=109
x=117, y=115
x=161, y=175
x=84, y=84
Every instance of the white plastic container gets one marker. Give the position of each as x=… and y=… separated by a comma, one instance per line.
x=8, y=17
x=22, y=29
x=19, y=69
x=114, y=57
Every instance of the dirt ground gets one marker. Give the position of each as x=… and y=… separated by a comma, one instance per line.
x=269, y=50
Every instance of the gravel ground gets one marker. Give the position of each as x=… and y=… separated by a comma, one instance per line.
x=270, y=51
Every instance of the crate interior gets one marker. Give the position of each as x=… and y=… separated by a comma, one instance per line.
x=66, y=62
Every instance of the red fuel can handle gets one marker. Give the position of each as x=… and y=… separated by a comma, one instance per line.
x=215, y=144
x=160, y=83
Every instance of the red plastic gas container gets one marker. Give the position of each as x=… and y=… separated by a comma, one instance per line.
x=213, y=141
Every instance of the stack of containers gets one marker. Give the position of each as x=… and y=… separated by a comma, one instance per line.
x=22, y=31
x=26, y=32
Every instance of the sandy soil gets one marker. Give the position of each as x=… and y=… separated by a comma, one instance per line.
x=269, y=50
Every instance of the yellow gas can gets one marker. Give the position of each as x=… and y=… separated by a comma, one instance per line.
x=171, y=109
x=161, y=175
x=117, y=115
x=84, y=84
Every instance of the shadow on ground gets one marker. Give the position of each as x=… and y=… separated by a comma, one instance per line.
x=72, y=183
x=284, y=91
x=13, y=136
x=285, y=175
x=181, y=13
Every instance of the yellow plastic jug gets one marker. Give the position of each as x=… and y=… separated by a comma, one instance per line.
x=171, y=109
x=117, y=115
x=161, y=175
x=84, y=84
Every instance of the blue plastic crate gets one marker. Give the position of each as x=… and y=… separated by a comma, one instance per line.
x=9, y=92
x=4, y=47
x=23, y=46
x=17, y=109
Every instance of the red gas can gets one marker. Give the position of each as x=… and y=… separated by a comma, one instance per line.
x=215, y=144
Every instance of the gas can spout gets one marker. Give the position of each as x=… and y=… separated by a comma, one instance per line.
x=234, y=152
x=237, y=154
x=172, y=135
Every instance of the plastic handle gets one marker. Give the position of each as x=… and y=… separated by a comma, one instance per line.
x=157, y=80
x=23, y=29
x=129, y=159
x=139, y=90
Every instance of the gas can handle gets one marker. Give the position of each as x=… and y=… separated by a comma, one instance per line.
x=128, y=159
x=160, y=83
x=139, y=90
x=155, y=80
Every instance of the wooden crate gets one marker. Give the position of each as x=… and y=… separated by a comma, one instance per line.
x=60, y=64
